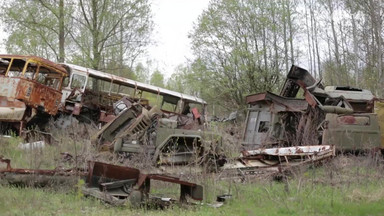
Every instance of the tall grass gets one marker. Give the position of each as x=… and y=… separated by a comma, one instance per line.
x=346, y=185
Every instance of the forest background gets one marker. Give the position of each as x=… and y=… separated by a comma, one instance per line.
x=239, y=46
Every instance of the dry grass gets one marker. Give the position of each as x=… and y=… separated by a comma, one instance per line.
x=346, y=185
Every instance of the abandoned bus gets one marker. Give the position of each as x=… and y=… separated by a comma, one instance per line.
x=93, y=94
x=30, y=87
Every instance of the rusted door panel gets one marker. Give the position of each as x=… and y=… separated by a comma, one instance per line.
x=8, y=86
x=257, y=126
x=262, y=127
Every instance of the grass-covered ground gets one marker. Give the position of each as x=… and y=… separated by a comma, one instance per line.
x=346, y=185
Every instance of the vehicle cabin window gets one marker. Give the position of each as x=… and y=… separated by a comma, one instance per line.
x=31, y=71
x=263, y=127
x=196, y=105
x=66, y=81
x=78, y=81
x=16, y=67
x=48, y=77
x=169, y=103
x=3, y=66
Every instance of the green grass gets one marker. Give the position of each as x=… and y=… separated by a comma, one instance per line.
x=344, y=186
x=249, y=199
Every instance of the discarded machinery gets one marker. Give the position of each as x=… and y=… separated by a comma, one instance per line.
x=332, y=115
x=169, y=138
x=116, y=185
x=30, y=90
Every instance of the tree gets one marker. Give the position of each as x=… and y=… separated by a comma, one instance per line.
x=37, y=27
x=91, y=33
x=121, y=27
x=157, y=79
x=237, y=50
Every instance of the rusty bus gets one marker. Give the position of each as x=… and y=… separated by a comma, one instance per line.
x=94, y=94
x=30, y=88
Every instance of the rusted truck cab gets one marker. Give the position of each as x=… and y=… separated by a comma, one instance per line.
x=29, y=87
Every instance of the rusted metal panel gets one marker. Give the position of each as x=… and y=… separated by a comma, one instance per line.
x=291, y=86
x=38, y=96
x=11, y=109
x=109, y=172
x=255, y=97
x=8, y=87
x=110, y=182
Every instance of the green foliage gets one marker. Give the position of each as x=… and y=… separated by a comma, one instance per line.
x=157, y=79
x=260, y=198
x=33, y=27
x=334, y=74
x=107, y=34
x=141, y=73
x=236, y=45
x=79, y=185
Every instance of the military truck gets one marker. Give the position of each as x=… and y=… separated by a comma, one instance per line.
x=349, y=118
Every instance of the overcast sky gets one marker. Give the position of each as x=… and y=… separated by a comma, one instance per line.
x=173, y=21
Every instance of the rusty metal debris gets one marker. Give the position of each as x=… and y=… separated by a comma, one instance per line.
x=117, y=185
x=38, y=177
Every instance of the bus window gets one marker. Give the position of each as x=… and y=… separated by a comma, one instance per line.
x=125, y=90
x=48, y=77
x=66, y=81
x=3, y=66
x=16, y=68
x=78, y=81
x=31, y=71
x=98, y=85
x=169, y=103
x=115, y=88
